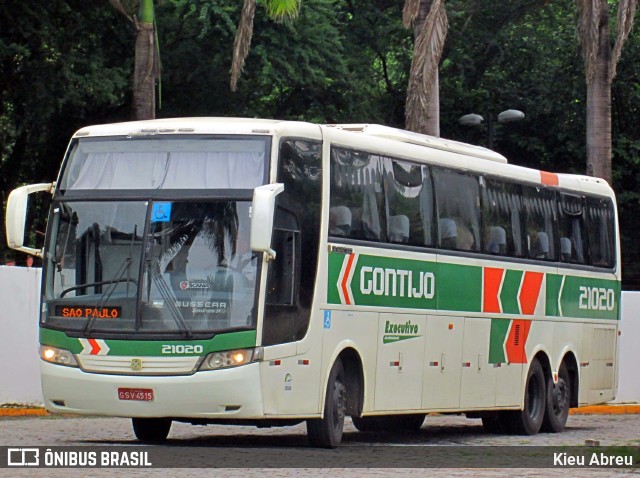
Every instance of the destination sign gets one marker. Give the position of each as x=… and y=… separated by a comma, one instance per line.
x=87, y=312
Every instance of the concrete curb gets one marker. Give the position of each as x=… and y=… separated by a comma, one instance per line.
x=18, y=411
x=625, y=409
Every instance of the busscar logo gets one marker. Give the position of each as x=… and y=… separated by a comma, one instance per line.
x=23, y=457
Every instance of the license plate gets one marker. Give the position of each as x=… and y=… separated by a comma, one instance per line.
x=139, y=394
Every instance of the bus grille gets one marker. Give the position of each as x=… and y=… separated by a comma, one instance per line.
x=138, y=365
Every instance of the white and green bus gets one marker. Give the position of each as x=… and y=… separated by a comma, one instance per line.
x=241, y=271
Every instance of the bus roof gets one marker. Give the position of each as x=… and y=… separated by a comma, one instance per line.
x=477, y=157
x=422, y=140
x=200, y=125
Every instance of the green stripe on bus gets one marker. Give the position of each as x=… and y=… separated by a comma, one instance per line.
x=459, y=287
x=499, y=330
x=554, y=282
x=335, y=265
x=509, y=293
x=405, y=283
x=151, y=348
x=590, y=298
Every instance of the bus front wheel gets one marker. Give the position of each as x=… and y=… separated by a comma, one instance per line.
x=151, y=430
x=528, y=421
x=326, y=432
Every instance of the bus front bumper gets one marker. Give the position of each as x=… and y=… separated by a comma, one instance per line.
x=232, y=393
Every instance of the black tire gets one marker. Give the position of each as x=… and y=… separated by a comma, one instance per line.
x=326, y=432
x=528, y=421
x=151, y=430
x=389, y=423
x=368, y=424
x=558, y=402
x=496, y=423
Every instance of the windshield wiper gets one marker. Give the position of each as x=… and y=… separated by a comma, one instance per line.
x=169, y=299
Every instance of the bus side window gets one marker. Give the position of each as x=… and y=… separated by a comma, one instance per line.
x=573, y=237
x=458, y=201
x=501, y=217
x=291, y=281
x=283, y=272
x=356, y=184
x=541, y=216
x=601, y=227
x=409, y=203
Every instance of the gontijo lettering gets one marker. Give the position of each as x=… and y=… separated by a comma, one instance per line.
x=397, y=282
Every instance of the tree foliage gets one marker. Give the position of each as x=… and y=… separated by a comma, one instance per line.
x=68, y=63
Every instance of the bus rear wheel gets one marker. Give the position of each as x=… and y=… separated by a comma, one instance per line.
x=558, y=400
x=528, y=421
x=326, y=432
x=151, y=430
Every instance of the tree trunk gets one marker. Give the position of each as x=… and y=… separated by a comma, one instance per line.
x=144, y=75
x=431, y=114
x=599, y=104
x=144, y=98
x=422, y=108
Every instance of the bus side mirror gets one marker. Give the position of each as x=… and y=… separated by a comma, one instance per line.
x=17, y=214
x=262, y=212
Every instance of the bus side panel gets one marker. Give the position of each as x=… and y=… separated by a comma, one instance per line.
x=279, y=380
x=361, y=329
x=598, y=365
x=478, y=382
x=442, y=364
x=399, y=369
x=509, y=372
x=567, y=338
x=290, y=376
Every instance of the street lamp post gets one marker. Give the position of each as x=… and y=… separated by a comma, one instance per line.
x=507, y=116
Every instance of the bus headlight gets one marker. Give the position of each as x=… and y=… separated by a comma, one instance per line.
x=231, y=358
x=57, y=356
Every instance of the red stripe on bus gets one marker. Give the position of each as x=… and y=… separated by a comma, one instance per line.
x=530, y=291
x=550, y=179
x=95, y=347
x=516, y=341
x=492, y=281
x=345, y=278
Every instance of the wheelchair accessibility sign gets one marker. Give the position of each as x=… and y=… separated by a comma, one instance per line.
x=161, y=212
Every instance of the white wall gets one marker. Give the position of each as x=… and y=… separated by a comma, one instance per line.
x=629, y=352
x=19, y=360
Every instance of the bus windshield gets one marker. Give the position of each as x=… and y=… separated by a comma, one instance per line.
x=158, y=267
x=151, y=163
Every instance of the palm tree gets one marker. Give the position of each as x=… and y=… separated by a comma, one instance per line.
x=147, y=59
x=428, y=19
x=600, y=70
x=276, y=9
